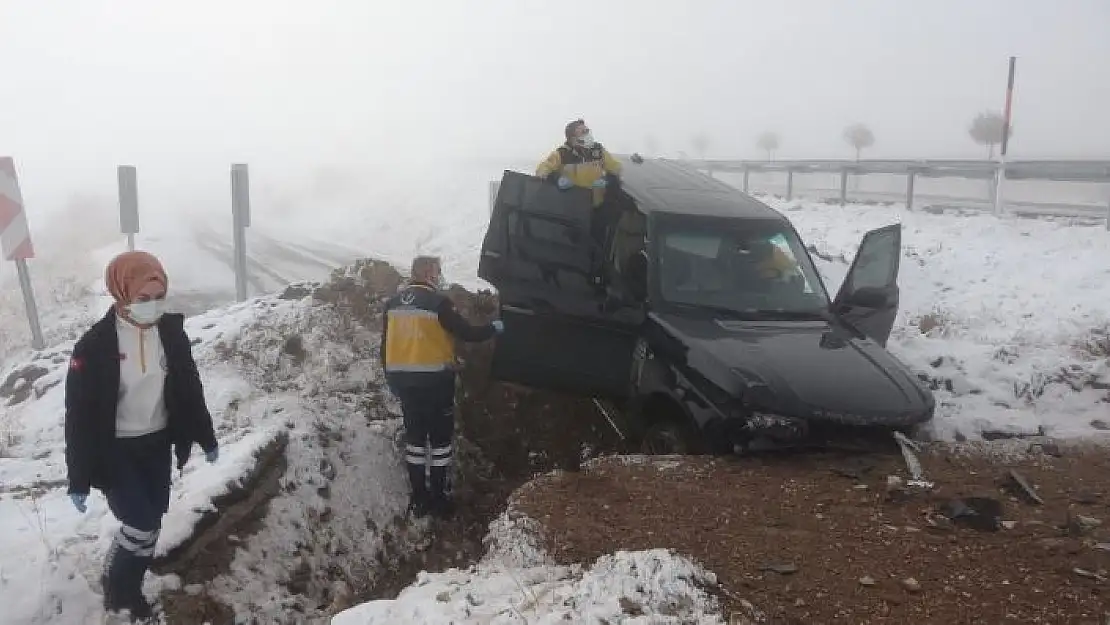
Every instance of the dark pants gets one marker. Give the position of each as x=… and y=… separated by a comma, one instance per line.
x=138, y=497
x=429, y=416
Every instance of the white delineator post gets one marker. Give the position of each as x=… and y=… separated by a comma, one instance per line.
x=241, y=219
x=15, y=242
x=128, y=203
x=1000, y=173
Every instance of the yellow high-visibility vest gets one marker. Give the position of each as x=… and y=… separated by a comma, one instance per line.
x=415, y=341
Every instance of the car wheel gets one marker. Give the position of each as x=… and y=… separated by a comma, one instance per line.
x=668, y=438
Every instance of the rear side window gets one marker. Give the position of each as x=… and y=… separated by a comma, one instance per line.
x=548, y=230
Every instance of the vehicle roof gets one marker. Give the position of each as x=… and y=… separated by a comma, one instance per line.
x=667, y=186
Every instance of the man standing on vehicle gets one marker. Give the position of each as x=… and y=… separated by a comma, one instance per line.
x=583, y=162
x=419, y=326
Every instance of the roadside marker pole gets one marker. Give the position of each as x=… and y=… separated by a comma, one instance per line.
x=1000, y=173
x=241, y=219
x=15, y=242
x=128, y=203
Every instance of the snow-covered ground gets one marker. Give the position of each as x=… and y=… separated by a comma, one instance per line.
x=517, y=583
x=1009, y=317
x=313, y=395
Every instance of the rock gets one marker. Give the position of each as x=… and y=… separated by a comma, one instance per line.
x=981, y=513
x=1080, y=525
x=866, y=580
x=782, y=569
x=1052, y=449
x=1009, y=525
x=1020, y=486
x=630, y=607
x=1099, y=424
x=1086, y=498
x=443, y=597
x=1098, y=576
x=911, y=585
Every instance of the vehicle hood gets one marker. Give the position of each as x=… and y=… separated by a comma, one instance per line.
x=806, y=369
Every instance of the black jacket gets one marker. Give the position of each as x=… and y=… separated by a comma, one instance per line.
x=92, y=393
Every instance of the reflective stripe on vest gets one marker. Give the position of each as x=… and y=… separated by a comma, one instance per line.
x=416, y=342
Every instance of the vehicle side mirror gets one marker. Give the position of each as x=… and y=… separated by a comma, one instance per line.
x=868, y=297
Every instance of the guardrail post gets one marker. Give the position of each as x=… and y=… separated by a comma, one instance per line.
x=789, y=185
x=746, y=172
x=909, y=188
x=843, y=187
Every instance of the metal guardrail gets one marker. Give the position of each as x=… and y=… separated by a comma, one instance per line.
x=1088, y=171
x=1053, y=170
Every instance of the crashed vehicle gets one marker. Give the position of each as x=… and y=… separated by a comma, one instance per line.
x=701, y=317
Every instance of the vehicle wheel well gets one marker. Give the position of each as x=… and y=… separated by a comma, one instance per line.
x=659, y=411
x=659, y=407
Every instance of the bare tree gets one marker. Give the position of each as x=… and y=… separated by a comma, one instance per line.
x=860, y=137
x=700, y=143
x=987, y=128
x=768, y=142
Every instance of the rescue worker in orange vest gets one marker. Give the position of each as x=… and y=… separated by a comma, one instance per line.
x=418, y=354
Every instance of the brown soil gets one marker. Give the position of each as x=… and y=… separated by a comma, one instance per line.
x=831, y=517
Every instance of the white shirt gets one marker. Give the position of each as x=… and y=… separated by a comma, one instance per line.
x=142, y=380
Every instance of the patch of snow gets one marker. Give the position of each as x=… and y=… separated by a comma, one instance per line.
x=520, y=585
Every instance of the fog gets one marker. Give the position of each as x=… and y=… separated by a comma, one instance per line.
x=396, y=95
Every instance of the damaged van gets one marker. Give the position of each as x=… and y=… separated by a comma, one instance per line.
x=698, y=314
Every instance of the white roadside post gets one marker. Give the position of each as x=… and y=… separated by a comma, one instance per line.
x=128, y=203
x=241, y=219
x=15, y=242
x=1000, y=174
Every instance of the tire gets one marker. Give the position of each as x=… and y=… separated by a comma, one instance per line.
x=669, y=437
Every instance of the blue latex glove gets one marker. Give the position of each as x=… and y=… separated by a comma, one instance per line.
x=565, y=183
x=498, y=326
x=600, y=183
x=212, y=456
x=78, y=500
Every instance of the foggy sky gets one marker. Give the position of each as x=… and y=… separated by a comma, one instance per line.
x=182, y=89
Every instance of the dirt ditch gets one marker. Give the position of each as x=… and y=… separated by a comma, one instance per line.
x=507, y=436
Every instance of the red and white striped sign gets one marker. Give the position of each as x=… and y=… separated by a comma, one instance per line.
x=15, y=236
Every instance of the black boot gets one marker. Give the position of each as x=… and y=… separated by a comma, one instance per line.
x=419, y=501
x=113, y=579
x=443, y=505
x=141, y=609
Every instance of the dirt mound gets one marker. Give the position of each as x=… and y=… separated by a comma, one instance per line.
x=821, y=538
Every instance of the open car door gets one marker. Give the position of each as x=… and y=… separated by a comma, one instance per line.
x=868, y=298
x=559, y=333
